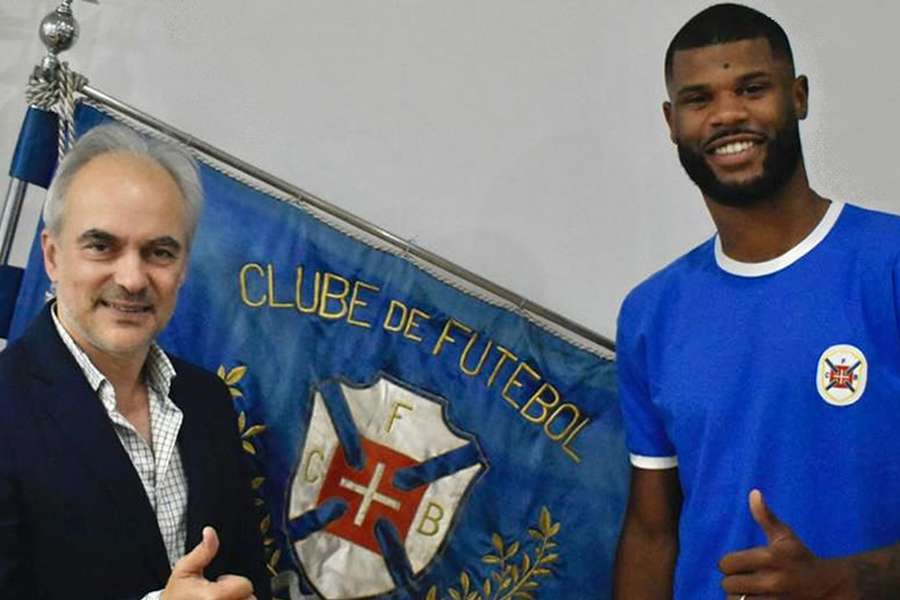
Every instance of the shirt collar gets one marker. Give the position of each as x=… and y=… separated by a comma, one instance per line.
x=745, y=269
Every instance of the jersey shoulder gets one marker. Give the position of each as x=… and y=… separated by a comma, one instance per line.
x=865, y=236
x=871, y=227
x=654, y=292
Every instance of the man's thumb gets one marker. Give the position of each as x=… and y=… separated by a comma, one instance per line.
x=196, y=560
x=771, y=525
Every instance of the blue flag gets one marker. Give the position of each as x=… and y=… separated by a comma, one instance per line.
x=412, y=439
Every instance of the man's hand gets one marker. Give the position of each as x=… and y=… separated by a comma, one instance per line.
x=784, y=568
x=187, y=582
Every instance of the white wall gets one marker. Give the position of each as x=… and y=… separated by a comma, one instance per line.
x=522, y=139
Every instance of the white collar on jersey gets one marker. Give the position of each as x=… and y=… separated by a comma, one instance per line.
x=745, y=269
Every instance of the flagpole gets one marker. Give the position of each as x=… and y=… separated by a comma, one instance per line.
x=59, y=31
x=9, y=218
x=326, y=207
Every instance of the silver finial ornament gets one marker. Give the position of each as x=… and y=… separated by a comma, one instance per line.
x=59, y=32
x=59, y=29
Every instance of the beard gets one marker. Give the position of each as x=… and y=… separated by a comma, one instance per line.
x=782, y=159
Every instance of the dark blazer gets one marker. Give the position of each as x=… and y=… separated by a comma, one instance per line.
x=75, y=521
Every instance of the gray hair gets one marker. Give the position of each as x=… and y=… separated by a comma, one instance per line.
x=112, y=137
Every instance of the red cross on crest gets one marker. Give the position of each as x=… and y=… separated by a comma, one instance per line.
x=841, y=376
x=342, y=552
x=370, y=494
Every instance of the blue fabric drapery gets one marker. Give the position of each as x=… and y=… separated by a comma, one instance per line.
x=344, y=359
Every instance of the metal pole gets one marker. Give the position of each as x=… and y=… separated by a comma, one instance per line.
x=347, y=217
x=9, y=219
x=59, y=32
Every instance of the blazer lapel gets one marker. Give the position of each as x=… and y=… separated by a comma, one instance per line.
x=197, y=459
x=85, y=427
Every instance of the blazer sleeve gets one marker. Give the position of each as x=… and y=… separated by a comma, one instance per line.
x=14, y=572
x=13, y=576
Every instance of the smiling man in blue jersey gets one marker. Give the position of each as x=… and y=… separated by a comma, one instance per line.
x=760, y=373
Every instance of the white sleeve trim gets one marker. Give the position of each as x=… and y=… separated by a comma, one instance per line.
x=654, y=462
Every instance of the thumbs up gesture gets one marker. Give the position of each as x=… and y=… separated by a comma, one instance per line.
x=188, y=583
x=784, y=568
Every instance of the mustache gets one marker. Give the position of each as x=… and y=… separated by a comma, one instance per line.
x=115, y=293
x=723, y=133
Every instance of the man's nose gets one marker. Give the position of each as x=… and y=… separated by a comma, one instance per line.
x=728, y=109
x=131, y=273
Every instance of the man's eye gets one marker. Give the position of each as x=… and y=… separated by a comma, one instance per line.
x=97, y=247
x=164, y=254
x=754, y=89
x=694, y=100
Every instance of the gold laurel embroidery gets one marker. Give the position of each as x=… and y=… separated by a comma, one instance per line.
x=512, y=578
x=248, y=436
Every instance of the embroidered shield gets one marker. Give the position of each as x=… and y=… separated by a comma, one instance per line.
x=373, y=497
x=842, y=375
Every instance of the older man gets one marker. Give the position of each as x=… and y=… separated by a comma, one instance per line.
x=114, y=457
x=764, y=361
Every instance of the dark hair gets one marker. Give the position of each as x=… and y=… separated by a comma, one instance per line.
x=723, y=23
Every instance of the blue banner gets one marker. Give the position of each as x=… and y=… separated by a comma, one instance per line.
x=411, y=439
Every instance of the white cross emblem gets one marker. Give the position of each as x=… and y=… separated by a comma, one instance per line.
x=370, y=494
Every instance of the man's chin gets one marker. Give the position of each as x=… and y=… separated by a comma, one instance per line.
x=735, y=189
x=124, y=349
x=745, y=178
x=123, y=341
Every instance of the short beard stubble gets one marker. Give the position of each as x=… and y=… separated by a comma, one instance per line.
x=782, y=159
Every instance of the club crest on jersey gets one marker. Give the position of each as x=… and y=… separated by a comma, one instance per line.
x=842, y=374
x=380, y=477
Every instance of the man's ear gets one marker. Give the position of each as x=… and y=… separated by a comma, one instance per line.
x=49, y=249
x=667, y=113
x=800, y=96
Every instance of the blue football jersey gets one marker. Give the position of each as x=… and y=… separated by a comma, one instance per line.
x=783, y=376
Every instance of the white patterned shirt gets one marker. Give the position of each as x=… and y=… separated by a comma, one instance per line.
x=158, y=463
